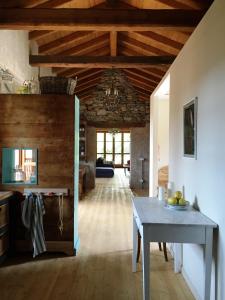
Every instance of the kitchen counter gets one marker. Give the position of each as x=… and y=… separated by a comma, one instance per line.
x=5, y=194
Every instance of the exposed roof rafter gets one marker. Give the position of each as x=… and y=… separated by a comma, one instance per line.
x=99, y=61
x=98, y=19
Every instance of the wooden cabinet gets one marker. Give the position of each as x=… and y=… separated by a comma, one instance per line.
x=82, y=146
x=4, y=224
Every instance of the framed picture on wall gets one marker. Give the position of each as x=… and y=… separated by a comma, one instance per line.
x=190, y=129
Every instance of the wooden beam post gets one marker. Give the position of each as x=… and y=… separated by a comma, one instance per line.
x=99, y=61
x=98, y=19
x=113, y=43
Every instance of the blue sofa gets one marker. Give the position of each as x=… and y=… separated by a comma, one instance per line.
x=104, y=169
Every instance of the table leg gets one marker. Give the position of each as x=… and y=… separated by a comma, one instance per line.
x=135, y=245
x=146, y=266
x=208, y=261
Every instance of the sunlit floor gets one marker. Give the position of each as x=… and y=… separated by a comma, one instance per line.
x=102, y=268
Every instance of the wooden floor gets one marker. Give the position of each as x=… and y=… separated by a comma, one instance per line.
x=102, y=269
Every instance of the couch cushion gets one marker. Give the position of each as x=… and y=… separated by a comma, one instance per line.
x=104, y=172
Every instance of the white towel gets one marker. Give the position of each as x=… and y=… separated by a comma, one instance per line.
x=32, y=217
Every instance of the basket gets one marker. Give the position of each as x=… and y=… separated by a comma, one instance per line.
x=57, y=85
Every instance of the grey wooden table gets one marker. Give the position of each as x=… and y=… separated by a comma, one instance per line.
x=156, y=223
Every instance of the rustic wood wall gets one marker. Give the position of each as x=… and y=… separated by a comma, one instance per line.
x=45, y=122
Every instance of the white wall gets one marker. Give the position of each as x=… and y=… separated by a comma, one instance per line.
x=199, y=71
x=14, y=55
x=159, y=138
x=163, y=131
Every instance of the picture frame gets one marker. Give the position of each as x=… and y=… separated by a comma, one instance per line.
x=190, y=128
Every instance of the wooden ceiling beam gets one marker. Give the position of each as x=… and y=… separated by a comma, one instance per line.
x=67, y=72
x=144, y=97
x=36, y=34
x=20, y=3
x=120, y=4
x=53, y=3
x=143, y=75
x=87, y=82
x=59, y=71
x=87, y=79
x=139, y=93
x=99, y=61
x=187, y=4
x=175, y=4
x=161, y=39
x=85, y=93
x=99, y=52
x=81, y=76
x=113, y=43
x=90, y=72
x=130, y=52
x=146, y=87
x=112, y=3
x=33, y=3
x=85, y=87
x=87, y=47
x=141, y=47
x=145, y=80
x=98, y=19
x=57, y=44
x=85, y=98
x=123, y=50
x=141, y=90
x=154, y=71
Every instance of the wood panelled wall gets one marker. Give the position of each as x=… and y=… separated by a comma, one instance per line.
x=45, y=122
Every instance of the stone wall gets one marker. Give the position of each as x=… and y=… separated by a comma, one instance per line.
x=128, y=108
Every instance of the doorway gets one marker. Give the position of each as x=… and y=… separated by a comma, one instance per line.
x=159, y=137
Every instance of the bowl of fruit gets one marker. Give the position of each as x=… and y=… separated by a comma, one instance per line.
x=177, y=202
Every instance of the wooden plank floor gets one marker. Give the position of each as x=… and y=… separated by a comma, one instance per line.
x=102, y=269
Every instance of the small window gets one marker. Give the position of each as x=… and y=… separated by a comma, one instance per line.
x=19, y=166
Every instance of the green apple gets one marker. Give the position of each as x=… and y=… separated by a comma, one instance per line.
x=178, y=194
x=172, y=200
x=182, y=201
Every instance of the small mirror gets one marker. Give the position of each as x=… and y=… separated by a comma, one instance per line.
x=19, y=166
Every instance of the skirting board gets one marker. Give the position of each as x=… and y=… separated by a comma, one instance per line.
x=66, y=247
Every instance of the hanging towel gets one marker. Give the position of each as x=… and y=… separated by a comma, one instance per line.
x=32, y=217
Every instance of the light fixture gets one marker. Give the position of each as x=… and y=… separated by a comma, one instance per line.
x=114, y=131
x=112, y=92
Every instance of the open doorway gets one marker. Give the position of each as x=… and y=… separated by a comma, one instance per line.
x=159, y=137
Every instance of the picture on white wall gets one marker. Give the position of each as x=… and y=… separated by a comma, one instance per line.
x=190, y=129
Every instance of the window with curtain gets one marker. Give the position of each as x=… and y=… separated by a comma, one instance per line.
x=114, y=147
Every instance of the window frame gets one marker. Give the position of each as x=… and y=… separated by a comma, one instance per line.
x=122, y=153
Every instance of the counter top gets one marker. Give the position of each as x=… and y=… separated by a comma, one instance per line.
x=5, y=194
